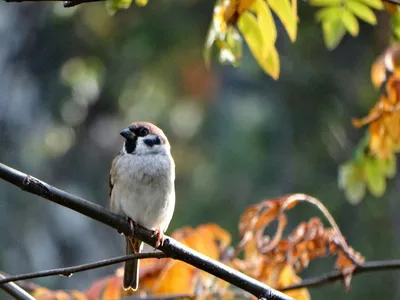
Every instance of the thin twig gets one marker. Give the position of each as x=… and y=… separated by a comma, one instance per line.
x=71, y=3
x=332, y=276
x=15, y=291
x=171, y=247
x=80, y=268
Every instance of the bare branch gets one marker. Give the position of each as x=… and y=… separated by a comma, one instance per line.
x=75, y=269
x=332, y=276
x=15, y=291
x=171, y=247
x=71, y=3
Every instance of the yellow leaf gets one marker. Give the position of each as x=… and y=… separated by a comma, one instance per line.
x=251, y=32
x=361, y=11
x=350, y=22
x=243, y=5
x=271, y=65
x=285, y=13
x=176, y=277
x=288, y=277
x=377, y=4
x=329, y=13
x=333, y=33
x=266, y=24
x=141, y=2
x=326, y=2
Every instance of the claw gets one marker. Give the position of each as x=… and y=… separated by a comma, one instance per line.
x=160, y=237
x=132, y=225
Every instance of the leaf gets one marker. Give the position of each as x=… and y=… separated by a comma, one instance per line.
x=266, y=23
x=328, y=14
x=141, y=2
x=377, y=4
x=350, y=180
x=325, y=2
x=234, y=43
x=251, y=32
x=375, y=179
x=244, y=5
x=361, y=11
x=272, y=65
x=333, y=33
x=285, y=13
x=113, y=5
x=289, y=277
x=391, y=166
x=350, y=22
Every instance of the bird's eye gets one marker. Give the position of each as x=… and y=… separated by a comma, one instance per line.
x=143, y=131
x=157, y=141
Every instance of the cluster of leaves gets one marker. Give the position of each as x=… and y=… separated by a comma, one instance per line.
x=375, y=159
x=275, y=260
x=340, y=16
x=256, y=24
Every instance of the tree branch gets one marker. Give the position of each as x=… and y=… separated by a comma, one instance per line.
x=15, y=291
x=80, y=268
x=171, y=247
x=71, y=3
x=332, y=276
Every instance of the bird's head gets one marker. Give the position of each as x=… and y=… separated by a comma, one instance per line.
x=142, y=138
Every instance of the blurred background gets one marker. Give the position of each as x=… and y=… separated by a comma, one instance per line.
x=71, y=79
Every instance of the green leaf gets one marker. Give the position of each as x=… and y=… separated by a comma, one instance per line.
x=395, y=24
x=377, y=4
x=333, y=33
x=266, y=24
x=361, y=11
x=350, y=180
x=325, y=2
x=388, y=166
x=113, y=5
x=330, y=13
x=375, y=178
x=285, y=13
x=350, y=22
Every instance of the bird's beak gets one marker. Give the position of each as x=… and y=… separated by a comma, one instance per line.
x=126, y=133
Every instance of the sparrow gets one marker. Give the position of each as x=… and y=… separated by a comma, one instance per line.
x=141, y=187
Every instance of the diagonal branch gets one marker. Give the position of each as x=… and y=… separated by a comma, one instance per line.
x=171, y=247
x=75, y=269
x=332, y=276
x=15, y=291
x=71, y=3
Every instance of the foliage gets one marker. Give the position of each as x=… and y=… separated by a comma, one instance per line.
x=375, y=159
x=275, y=260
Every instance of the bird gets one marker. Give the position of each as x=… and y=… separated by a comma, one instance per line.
x=142, y=188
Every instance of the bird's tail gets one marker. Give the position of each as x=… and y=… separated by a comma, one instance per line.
x=131, y=272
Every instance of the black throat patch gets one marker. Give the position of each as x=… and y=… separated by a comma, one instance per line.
x=130, y=145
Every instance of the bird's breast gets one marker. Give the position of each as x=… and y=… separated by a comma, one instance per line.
x=144, y=189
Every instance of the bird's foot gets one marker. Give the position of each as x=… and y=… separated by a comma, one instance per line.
x=160, y=237
x=132, y=225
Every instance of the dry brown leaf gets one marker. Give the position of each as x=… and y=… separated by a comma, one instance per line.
x=309, y=240
x=384, y=117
